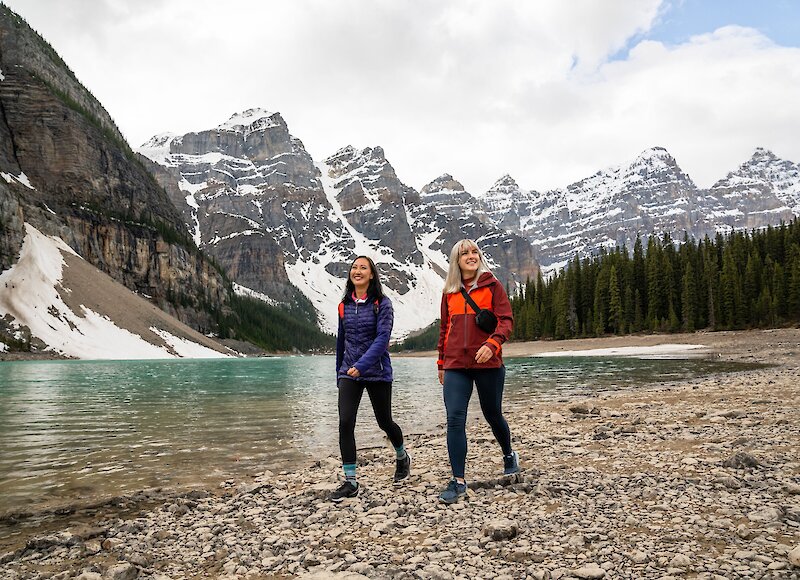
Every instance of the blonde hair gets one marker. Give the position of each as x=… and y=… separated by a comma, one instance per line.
x=453, y=281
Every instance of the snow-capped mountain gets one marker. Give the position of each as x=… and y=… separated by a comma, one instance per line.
x=651, y=194
x=251, y=196
x=254, y=199
x=447, y=213
x=765, y=186
x=277, y=221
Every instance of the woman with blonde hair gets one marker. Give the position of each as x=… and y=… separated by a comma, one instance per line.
x=476, y=320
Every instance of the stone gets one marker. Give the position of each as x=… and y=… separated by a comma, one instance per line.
x=589, y=571
x=680, y=561
x=765, y=515
x=122, y=571
x=794, y=556
x=741, y=460
x=499, y=530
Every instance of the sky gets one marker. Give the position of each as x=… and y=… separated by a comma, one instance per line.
x=549, y=92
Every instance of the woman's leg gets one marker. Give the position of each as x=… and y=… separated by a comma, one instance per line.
x=350, y=393
x=457, y=392
x=380, y=394
x=490, y=383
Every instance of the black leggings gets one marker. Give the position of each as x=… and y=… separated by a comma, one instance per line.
x=380, y=394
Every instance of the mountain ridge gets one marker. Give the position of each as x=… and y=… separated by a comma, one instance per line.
x=408, y=231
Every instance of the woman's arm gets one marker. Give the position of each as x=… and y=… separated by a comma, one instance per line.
x=444, y=323
x=339, y=345
x=505, y=318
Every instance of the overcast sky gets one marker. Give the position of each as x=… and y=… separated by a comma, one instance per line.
x=548, y=91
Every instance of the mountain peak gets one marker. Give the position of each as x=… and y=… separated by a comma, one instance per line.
x=762, y=154
x=444, y=182
x=250, y=120
x=505, y=182
x=658, y=154
x=158, y=141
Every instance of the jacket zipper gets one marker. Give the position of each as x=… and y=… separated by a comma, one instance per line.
x=469, y=362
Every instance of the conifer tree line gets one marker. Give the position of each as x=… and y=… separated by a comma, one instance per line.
x=735, y=281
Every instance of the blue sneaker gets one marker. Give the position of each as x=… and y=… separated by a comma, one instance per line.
x=511, y=463
x=453, y=492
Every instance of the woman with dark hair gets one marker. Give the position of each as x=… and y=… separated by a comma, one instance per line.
x=362, y=362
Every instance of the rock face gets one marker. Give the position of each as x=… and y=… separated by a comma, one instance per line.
x=763, y=190
x=374, y=200
x=67, y=170
x=276, y=222
x=248, y=191
x=447, y=213
x=649, y=195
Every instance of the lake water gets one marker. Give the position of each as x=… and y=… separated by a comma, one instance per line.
x=72, y=430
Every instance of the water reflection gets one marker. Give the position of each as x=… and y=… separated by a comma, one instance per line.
x=79, y=429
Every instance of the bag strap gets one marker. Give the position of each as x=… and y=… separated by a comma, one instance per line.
x=470, y=301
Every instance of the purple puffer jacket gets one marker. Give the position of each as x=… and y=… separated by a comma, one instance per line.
x=363, y=340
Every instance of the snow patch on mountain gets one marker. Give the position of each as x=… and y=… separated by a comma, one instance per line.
x=32, y=297
x=21, y=179
x=157, y=148
x=250, y=121
x=416, y=308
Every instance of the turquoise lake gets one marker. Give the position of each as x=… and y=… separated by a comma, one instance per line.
x=72, y=430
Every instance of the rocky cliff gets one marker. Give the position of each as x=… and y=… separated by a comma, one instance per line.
x=67, y=170
x=250, y=195
x=448, y=213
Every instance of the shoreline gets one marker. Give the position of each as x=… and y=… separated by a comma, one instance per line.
x=580, y=456
x=723, y=342
x=728, y=344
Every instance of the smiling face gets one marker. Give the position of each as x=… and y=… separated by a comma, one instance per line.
x=469, y=260
x=360, y=275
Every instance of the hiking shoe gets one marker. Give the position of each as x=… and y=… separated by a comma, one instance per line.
x=347, y=489
x=403, y=468
x=511, y=463
x=453, y=492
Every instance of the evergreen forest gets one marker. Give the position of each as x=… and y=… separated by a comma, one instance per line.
x=736, y=281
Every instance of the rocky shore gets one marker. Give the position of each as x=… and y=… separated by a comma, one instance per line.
x=699, y=479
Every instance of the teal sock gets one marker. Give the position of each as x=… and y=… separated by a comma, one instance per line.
x=401, y=452
x=350, y=472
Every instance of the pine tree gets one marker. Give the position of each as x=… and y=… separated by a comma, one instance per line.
x=616, y=317
x=793, y=297
x=689, y=298
x=601, y=300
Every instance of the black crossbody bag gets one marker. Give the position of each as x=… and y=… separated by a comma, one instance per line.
x=485, y=319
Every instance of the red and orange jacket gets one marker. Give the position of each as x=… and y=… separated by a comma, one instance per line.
x=459, y=335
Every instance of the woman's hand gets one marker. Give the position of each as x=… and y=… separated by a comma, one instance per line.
x=353, y=372
x=484, y=353
x=441, y=377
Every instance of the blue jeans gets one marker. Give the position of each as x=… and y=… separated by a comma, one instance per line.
x=457, y=392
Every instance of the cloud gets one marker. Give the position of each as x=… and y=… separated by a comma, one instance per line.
x=548, y=91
